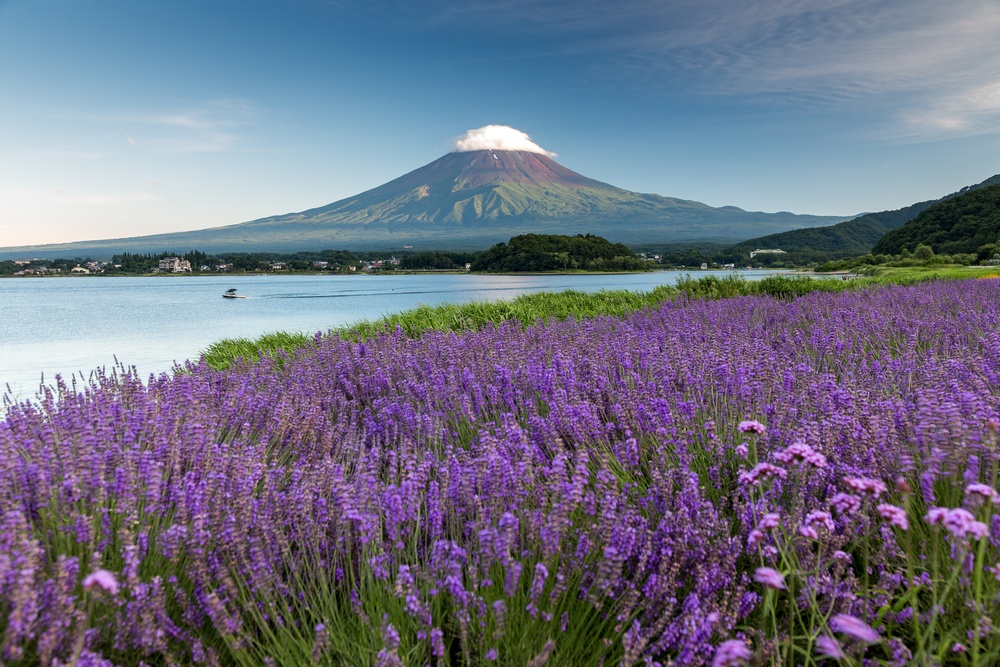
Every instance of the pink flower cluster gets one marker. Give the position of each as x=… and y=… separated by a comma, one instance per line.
x=752, y=478
x=866, y=486
x=896, y=516
x=957, y=521
x=820, y=517
x=845, y=503
x=853, y=627
x=731, y=653
x=103, y=580
x=800, y=452
x=770, y=578
x=984, y=491
x=752, y=426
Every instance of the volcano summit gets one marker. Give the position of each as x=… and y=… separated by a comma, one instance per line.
x=497, y=184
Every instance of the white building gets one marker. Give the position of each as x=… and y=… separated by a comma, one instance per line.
x=175, y=264
x=766, y=252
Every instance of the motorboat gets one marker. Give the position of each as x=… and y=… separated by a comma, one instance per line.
x=231, y=294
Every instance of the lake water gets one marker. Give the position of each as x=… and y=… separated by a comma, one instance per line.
x=73, y=325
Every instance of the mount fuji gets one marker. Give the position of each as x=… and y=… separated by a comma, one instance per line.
x=486, y=191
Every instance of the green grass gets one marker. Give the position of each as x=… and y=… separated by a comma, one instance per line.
x=530, y=308
x=931, y=272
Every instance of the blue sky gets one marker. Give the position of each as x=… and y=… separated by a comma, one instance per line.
x=128, y=118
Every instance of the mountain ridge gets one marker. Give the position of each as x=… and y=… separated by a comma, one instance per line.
x=463, y=200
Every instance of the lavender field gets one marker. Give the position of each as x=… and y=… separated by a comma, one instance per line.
x=743, y=481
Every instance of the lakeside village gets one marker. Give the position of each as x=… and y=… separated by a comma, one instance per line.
x=177, y=265
x=339, y=262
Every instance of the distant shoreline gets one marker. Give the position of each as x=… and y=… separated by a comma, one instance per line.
x=444, y=272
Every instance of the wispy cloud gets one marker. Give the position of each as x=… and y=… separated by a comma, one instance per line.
x=208, y=127
x=929, y=67
x=109, y=199
x=58, y=196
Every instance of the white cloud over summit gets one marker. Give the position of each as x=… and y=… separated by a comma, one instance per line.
x=498, y=138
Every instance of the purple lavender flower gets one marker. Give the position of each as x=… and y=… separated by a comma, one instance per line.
x=853, y=627
x=770, y=578
x=731, y=653
x=896, y=516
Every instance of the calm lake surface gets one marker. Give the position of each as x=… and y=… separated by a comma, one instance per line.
x=74, y=325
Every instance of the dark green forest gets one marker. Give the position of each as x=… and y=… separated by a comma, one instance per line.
x=548, y=252
x=962, y=224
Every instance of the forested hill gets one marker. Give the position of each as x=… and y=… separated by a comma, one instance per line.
x=961, y=224
x=548, y=252
x=846, y=239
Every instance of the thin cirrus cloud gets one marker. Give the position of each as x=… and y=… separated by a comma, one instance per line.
x=210, y=127
x=928, y=68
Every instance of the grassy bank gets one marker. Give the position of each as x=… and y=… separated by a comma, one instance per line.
x=529, y=308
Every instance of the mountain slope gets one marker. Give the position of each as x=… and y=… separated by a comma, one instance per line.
x=852, y=237
x=465, y=200
x=960, y=224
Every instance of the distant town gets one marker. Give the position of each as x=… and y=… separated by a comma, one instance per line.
x=335, y=262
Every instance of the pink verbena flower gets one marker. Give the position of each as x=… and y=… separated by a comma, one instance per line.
x=769, y=521
x=801, y=452
x=808, y=531
x=983, y=491
x=752, y=478
x=866, y=486
x=829, y=647
x=102, y=579
x=853, y=627
x=936, y=515
x=752, y=426
x=770, y=578
x=755, y=537
x=842, y=556
x=743, y=449
x=845, y=503
x=820, y=517
x=957, y=521
x=896, y=516
x=731, y=653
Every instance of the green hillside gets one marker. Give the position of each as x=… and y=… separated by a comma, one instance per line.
x=961, y=224
x=846, y=239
